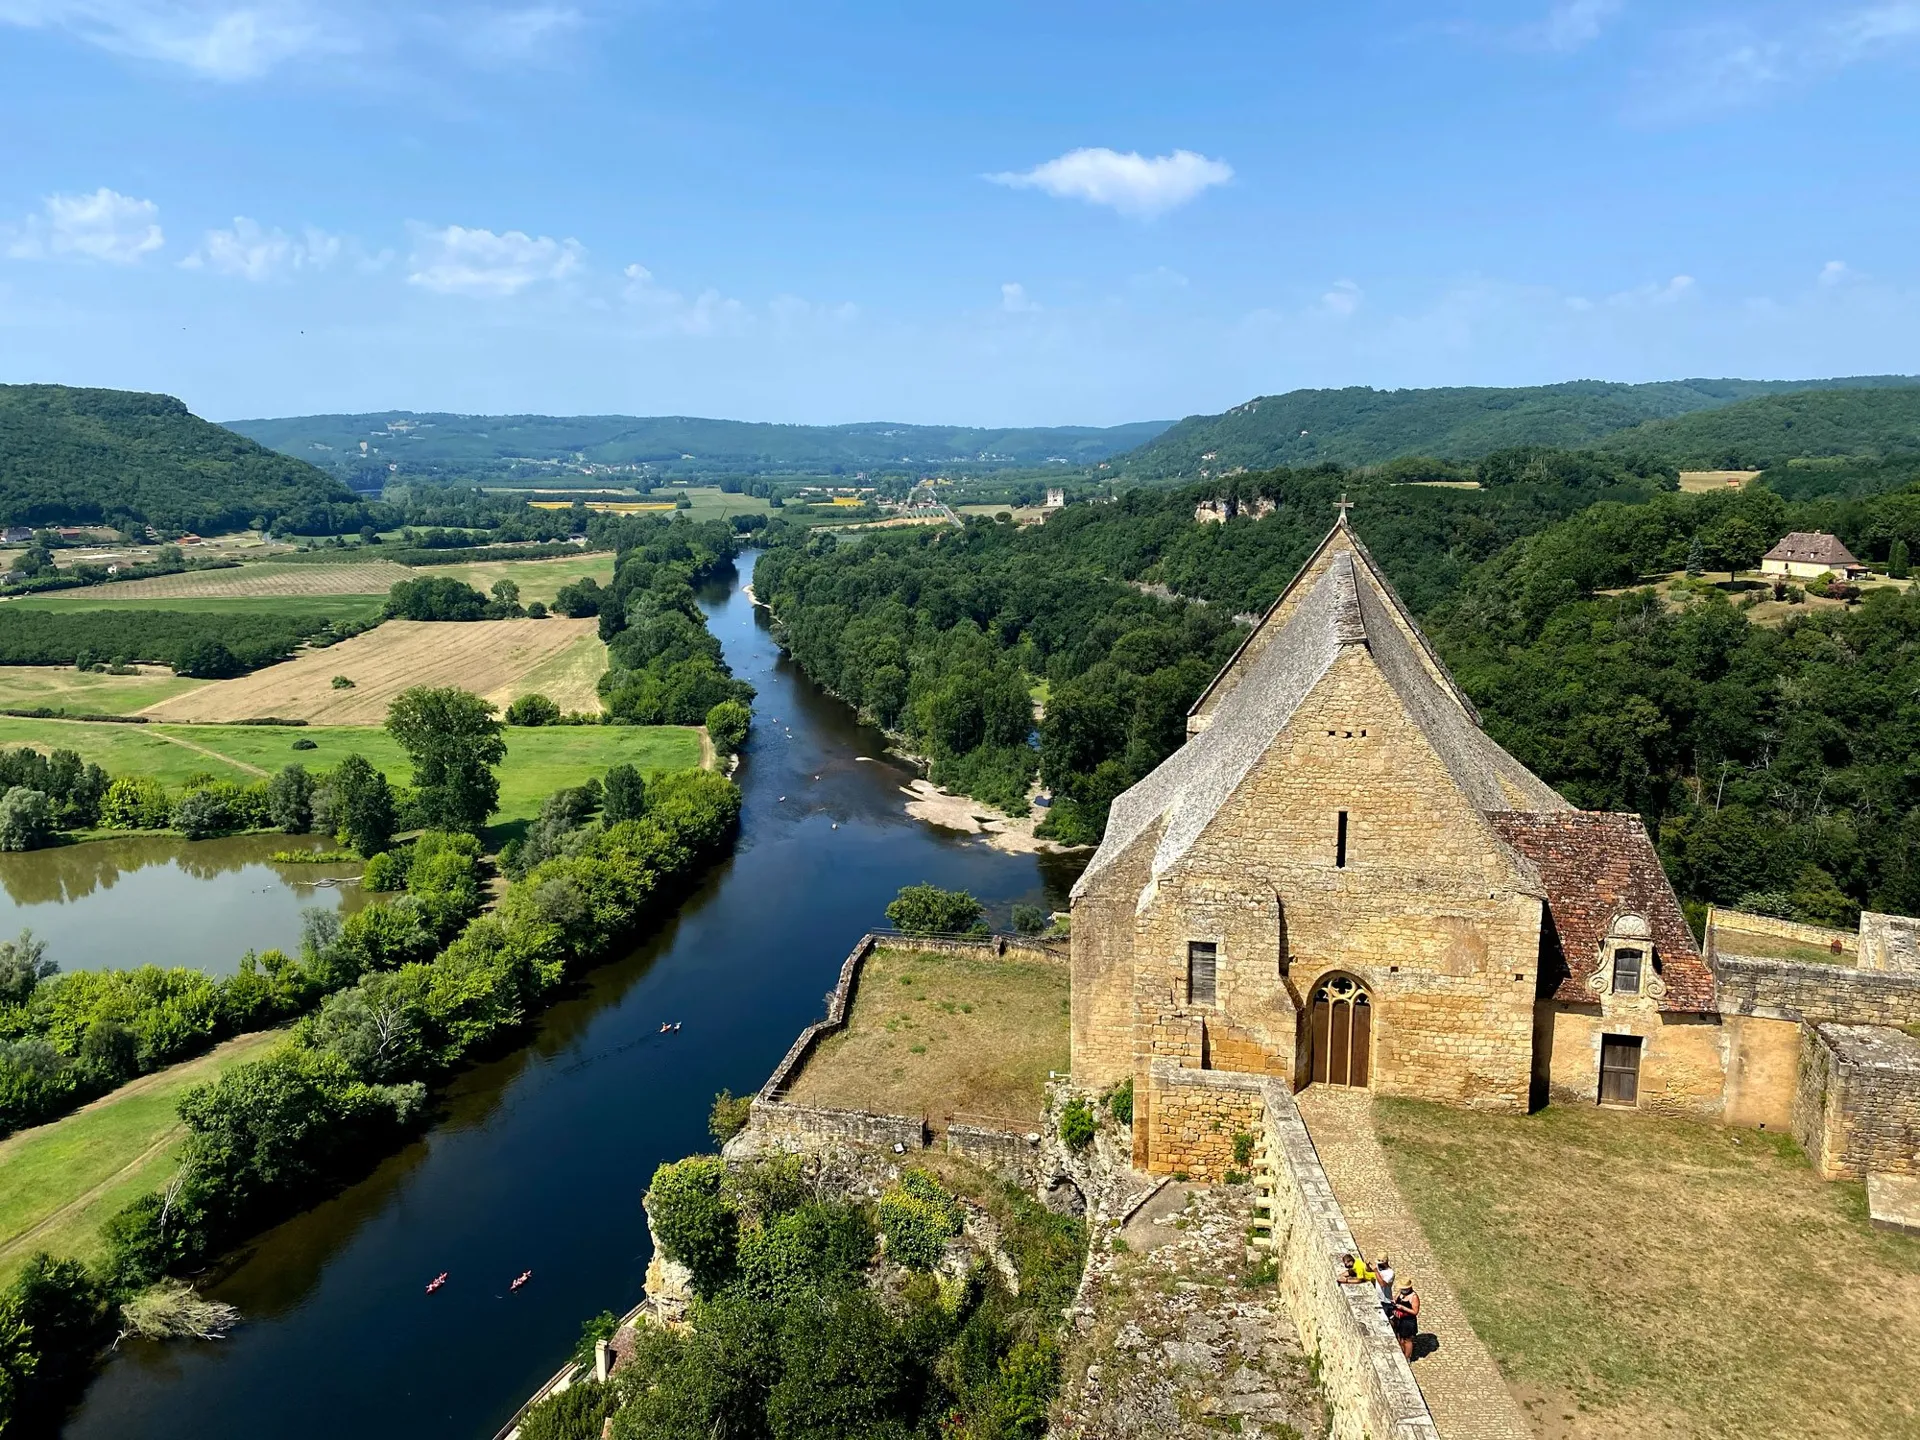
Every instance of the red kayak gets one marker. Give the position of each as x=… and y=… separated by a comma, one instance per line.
x=437, y=1281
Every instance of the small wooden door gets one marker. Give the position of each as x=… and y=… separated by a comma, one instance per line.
x=1340, y=1033
x=1620, y=1069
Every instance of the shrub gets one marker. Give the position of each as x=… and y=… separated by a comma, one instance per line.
x=729, y=1115
x=305, y=744
x=386, y=872
x=727, y=725
x=1077, y=1125
x=624, y=795
x=1242, y=1148
x=535, y=709
x=26, y=819
x=537, y=610
x=918, y=1218
x=576, y=1413
x=135, y=802
x=693, y=1219
x=1120, y=1101
x=929, y=910
x=202, y=813
x=341, y=682
x=816, y=1248
x=1029, y=919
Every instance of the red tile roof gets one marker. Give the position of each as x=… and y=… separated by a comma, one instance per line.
x=1597, y=867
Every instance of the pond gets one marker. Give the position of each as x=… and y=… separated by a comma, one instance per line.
x=538, y=1160
x=162, y=900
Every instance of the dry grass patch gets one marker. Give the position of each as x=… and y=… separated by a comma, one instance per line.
x=538, y=579
x=934, y=1035
x=1735, y=941
x=493, y=658
x=1640, y=1276
x=265, y=581
x=1696, y=482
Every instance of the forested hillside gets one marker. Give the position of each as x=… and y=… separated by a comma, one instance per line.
x=523, y=447
x=1774, y=429
x=1363, y=426
x=118, y=456
x=1773, y=762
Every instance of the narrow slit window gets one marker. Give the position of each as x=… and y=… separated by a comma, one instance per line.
x=1203, y=960
x=1626, y=971
x=1340, y=842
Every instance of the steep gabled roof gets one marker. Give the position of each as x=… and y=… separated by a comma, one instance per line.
x=1597, y=867
x=1343, y=603
x=1811, y=547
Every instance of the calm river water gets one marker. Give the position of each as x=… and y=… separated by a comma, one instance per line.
x=161, y=900
x=540, y=1158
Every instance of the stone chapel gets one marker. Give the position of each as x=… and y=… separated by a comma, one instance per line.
x=1341, y=879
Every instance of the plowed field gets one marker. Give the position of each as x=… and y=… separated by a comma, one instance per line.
x=500, y=659
x=361, y=577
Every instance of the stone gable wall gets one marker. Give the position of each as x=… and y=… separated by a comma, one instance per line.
x=1683, y=1059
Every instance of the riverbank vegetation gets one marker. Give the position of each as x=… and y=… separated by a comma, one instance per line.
x=820, y=1316
x=1766, y=758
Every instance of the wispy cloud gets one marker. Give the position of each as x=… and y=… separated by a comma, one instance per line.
x=1729, y=64
x=1572, y=24
x=105, y=226
x=1341, y=299
x=215, y=39
x=665, y=311
x=496, y=37
x=458, y=261
x=252, y=252
x=1130, y=183
x=1015, y=300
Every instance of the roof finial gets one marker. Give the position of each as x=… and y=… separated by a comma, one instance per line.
x=1344, y=505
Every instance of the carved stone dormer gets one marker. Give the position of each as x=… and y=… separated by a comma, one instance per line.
x=1627, y=972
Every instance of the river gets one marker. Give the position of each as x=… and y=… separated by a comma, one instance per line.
x=538, y=1160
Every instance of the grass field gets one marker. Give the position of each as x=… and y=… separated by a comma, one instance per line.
x=1640, y=1276
x=102, y=597
x=58, y=1182
x=29, y=687
x=492, y=658
x=934, y=1034
x=538, y=579
x=538, y=761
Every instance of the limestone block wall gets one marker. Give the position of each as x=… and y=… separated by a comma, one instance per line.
x=1719, y=917
x=1790, y=990
x=1890, y=942
x=1370, y=1389
x=780, y=1125
x=1102, y=1006
x=1763, y=1071
x=1195, y=1115
x=1858, y=1107
x=1010, y=1156
x=1683, y=1062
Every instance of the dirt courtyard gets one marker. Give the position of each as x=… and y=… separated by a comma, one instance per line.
x=934, y=1035
x=498, y=659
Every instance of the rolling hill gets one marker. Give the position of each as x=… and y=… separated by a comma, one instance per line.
x=81, y=456
x=1774, y=429
x=527, y=447
x=1363, y=426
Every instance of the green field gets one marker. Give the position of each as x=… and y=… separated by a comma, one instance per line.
x=539, y=761
x=58, y=1182
x=101, y=597
x=538, y=579
x=87, y=692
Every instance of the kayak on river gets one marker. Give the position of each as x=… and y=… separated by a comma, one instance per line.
x=524, y=1277
x=437, y=1281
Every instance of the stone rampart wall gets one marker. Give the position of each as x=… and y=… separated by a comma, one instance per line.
x=1792, y=990
x=780, y=1125
x=1369, y=1386
x=1009, y=1155
x=1780, y=929
x=1858, y=1105
x=1195, y=1114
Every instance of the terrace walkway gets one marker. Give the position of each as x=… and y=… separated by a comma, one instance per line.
x=1462, y=1385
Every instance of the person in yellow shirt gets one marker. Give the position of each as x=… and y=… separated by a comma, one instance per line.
x=1354, y=1270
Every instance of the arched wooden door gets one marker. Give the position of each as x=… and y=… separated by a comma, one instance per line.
x=1340, y=1021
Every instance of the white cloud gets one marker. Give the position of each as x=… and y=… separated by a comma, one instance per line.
x=1131, y=183
x=219, y=41
x=505, y=36
x=459, y=261
x=665, y=311
x=1015, y=300
x=1671, y=293
x=254, y=253
x=1572, y=24
x=105, y=225
x=1834, y=272
x=1728, y=64
x=1341, y=299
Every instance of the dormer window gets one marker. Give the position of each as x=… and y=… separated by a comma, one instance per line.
x=1626, y=971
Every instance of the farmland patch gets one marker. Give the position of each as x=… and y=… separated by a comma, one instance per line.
x=264, y=581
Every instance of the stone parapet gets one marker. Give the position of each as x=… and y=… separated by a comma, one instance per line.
x=1858, y=1105
x=1009, y=1154
x=1369, y=1386
x=1814, y=993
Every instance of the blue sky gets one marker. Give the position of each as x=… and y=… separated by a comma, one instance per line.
x=984, y=213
